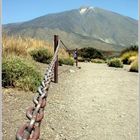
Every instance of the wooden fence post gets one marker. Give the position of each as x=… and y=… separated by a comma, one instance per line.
x=56, y=62
x=76, y=57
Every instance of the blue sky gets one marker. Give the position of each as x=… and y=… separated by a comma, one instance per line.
x=23, y=10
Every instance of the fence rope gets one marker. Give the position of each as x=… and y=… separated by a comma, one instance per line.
x=64, y=46
x=31, y=130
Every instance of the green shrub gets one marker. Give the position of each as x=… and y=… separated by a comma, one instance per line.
x=134, y=66
x=97, y=61
x=115, y=62
x=90, y=53
x=17, y=72
x=41, y=55
x=66, y=61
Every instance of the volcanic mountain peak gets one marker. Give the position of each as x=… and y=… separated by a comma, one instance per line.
x=83, y=27
x=86, y=9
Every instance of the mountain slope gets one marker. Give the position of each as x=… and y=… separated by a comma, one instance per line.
x=84, y=27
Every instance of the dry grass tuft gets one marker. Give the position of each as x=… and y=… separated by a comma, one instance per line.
x=134, y=65
x=22, y=46
x=125, y=58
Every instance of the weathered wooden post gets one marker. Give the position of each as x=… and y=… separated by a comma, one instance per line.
x=56, y=62
x=76, y=57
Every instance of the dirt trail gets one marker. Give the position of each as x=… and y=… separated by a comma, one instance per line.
x=95, y=102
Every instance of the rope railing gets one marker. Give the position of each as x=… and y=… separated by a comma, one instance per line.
x=66, y=48
x=70, y=51
x=31, y=130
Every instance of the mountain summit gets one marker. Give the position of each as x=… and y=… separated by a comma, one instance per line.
x=84, y=10
x=83, y=27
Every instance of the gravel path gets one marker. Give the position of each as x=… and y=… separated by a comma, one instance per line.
x=95, y=102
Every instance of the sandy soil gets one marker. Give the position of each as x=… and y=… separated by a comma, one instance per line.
x=95, y=102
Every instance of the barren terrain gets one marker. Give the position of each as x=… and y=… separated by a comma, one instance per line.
x=95, y=102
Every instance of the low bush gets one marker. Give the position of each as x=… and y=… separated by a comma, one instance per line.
x=97, y=61
x=115, y=62
x=17, y=72
x=41, y=55
x=66, y=61
x=126, y=56
x=90, y=53
x=134, y=66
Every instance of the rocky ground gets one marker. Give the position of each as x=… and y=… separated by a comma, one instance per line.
x=95, y=102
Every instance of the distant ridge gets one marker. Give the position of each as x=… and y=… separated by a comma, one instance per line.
x=84, y=27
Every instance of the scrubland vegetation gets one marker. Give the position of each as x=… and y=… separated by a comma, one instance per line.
x=20, y=72
x=115, y=62
x=90, y=53
x=20, y=54
x=134, y=66
x=20, y=57
x=66, y=61
x=128, y=56
x=41, y=55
